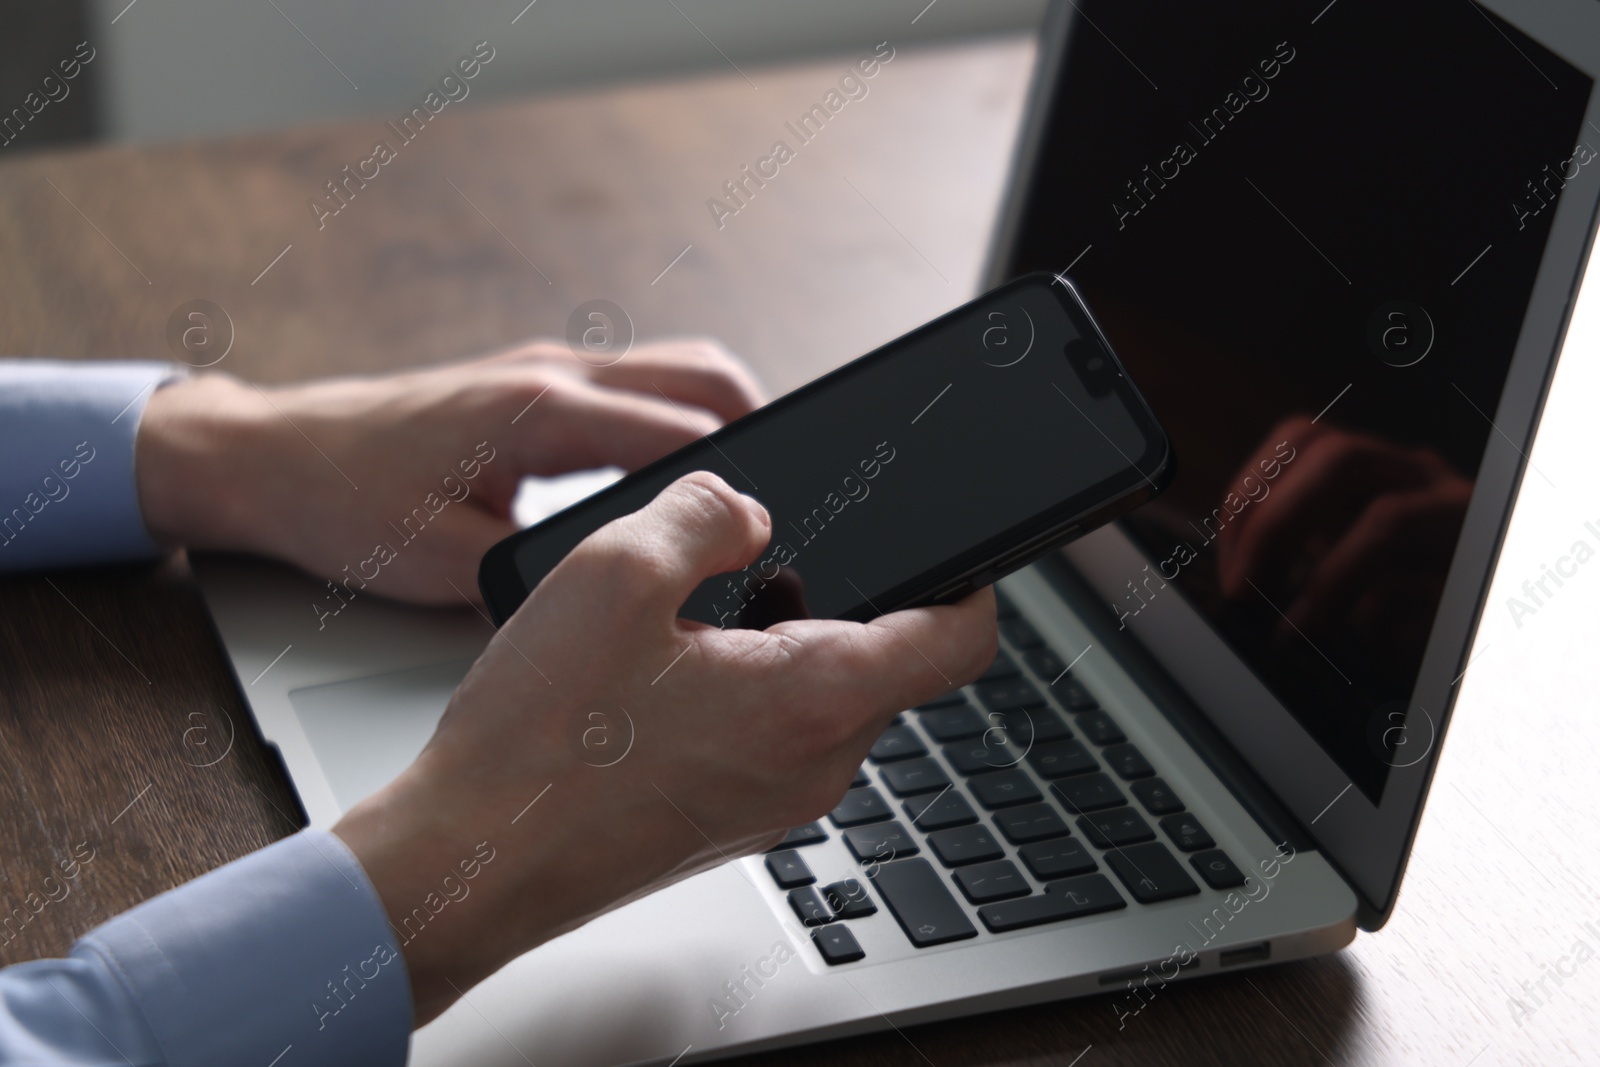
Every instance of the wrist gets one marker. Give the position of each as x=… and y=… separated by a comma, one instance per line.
x=191, y=455
x=476, y=866
x=464, y=892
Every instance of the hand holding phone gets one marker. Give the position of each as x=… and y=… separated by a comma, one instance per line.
x=921, y=471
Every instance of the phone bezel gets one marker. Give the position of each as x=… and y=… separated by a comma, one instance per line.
x=504, y=589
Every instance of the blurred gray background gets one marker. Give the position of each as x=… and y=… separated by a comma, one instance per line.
x=171, y=69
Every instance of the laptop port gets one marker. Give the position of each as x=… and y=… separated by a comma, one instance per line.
x=1233, y=957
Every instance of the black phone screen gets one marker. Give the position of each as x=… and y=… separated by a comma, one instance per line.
x=904, y=470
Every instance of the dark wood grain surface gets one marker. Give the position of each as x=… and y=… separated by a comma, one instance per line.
x=493, y=225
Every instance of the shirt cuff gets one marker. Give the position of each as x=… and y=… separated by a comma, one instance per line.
x=68, y=494
x=287, y=948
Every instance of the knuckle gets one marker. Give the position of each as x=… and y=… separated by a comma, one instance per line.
x=717, y=359
x=544, y=348
x=533, y=382
x=702, y=423
x=710, y=352
x=549, y=387
x=535, y=349
x=713, y=498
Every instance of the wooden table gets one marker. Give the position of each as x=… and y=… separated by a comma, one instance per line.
x=493, y=225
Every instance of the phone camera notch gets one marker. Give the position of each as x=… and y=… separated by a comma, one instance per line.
x=1093, y=366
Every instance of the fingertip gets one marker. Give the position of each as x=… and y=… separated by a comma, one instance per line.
x=957, y=641
x=985, y=613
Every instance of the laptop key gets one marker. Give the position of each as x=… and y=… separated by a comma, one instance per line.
x=1098, y=727
x=1008, y=693
x=1033, y=822
x=1088, y=792
x=1045, y=663
x=1060, y=858
x=1069, y=899
x=1020, y=632
x=860, y=806
x=882, y=841
x=965, y=844
x=1071, y=692
x=1002, y=667
x=1119, y=826
x=1062, y=759
x=1003, y=789
x=940, y=812
x=837, y=945
x=1217, y=869
x=1026, y=727
x=809, y=834
x=897, y=742
x=955, y=696
x=954, y=723
x=860, y=779
x=810, y=907
x=1187, y=833
x=1128, y=762
x=980, y=755
x=849, y=899
x=915, y=776
x=919, y=901
x=983, y=883
x=789, y=870
x=1156, y=796
x=1150, y=873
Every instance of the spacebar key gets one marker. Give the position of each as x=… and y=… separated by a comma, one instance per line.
x=923, y=906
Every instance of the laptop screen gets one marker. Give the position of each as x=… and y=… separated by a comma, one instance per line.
x=1312, y=238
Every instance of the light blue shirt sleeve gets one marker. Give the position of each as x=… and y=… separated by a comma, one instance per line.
x=284, y=958
x=67, y=488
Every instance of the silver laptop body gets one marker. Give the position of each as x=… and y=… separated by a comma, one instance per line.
x=722, y=963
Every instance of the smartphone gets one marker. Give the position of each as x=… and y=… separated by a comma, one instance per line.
x=924, y=470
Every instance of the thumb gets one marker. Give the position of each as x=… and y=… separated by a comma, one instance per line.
x=650, y=561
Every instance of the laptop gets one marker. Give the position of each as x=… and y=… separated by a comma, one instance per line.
x=1337, y=245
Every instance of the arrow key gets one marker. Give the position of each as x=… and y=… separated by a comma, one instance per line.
x=837, y=945
x=789, y=870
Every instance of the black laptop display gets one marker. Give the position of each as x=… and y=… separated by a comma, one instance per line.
x=1314, y=239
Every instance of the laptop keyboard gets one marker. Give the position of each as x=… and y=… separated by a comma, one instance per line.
x=1024, y=757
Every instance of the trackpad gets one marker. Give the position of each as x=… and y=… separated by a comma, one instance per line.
x=365, y=731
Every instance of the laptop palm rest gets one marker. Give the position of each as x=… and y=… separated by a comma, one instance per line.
x=365, y=731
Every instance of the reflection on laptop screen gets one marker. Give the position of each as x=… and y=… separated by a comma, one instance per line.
x=1313, y=244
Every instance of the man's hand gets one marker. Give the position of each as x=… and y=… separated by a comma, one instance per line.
x=735, y=735
x=412, y=475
